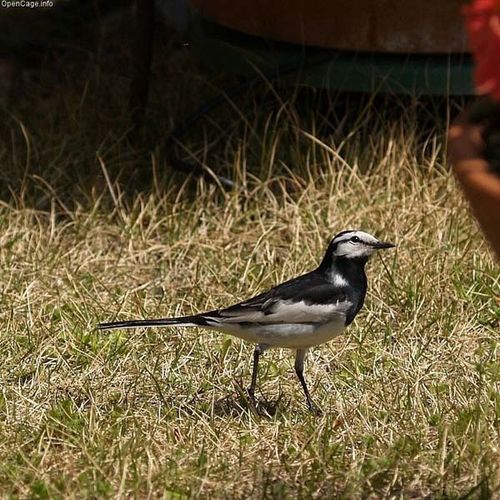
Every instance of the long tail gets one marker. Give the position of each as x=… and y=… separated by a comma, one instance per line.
x=155, y=323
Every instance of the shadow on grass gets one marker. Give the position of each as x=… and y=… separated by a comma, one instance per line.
x=240, y=403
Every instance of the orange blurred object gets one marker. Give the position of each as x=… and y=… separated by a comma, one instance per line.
x=479, y=183
x=483, y=26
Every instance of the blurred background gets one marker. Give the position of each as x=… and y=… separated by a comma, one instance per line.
x=162, y=85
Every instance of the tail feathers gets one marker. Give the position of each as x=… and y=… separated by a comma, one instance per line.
x=154, y=323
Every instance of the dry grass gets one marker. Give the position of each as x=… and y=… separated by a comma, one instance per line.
x=410, y=393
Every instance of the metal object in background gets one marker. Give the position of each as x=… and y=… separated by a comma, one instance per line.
x=227, y=50
x=396, y=26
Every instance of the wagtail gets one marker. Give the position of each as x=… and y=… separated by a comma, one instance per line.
x=303, y=312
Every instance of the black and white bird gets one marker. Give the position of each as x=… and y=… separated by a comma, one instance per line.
x=301, y=313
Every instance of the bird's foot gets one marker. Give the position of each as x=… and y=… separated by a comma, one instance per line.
x=251, y=396
x=314, y=409
x=262, y=408
x=252, y=401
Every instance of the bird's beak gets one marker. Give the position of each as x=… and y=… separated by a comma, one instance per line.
x=383, y=244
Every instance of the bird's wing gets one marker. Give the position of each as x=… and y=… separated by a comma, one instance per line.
x=308, y=299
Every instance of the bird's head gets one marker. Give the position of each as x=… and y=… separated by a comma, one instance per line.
x=355, y=245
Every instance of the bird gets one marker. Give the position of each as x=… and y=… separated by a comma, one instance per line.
x=298, y=314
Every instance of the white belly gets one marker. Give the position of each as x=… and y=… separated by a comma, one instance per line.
x=291, y=335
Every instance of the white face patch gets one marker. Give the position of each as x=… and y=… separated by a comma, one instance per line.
x=354, y=244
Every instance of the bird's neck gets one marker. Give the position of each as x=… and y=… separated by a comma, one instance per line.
x=351, y=269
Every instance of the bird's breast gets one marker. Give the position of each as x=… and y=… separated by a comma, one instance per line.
x=290, y=335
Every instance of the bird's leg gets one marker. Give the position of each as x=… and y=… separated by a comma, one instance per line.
x=299, y=370
x=259, y=349
x=251, y=389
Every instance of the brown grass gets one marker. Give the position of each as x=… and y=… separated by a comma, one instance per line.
x=409, y=394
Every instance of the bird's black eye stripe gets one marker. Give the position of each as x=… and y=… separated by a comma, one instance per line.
x=355, y=239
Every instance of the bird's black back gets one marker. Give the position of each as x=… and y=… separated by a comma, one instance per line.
x=316, y=287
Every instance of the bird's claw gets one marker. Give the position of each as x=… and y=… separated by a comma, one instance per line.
x=314, y=409
x=251, y=398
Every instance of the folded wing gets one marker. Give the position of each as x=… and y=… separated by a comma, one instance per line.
x=308, y=299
